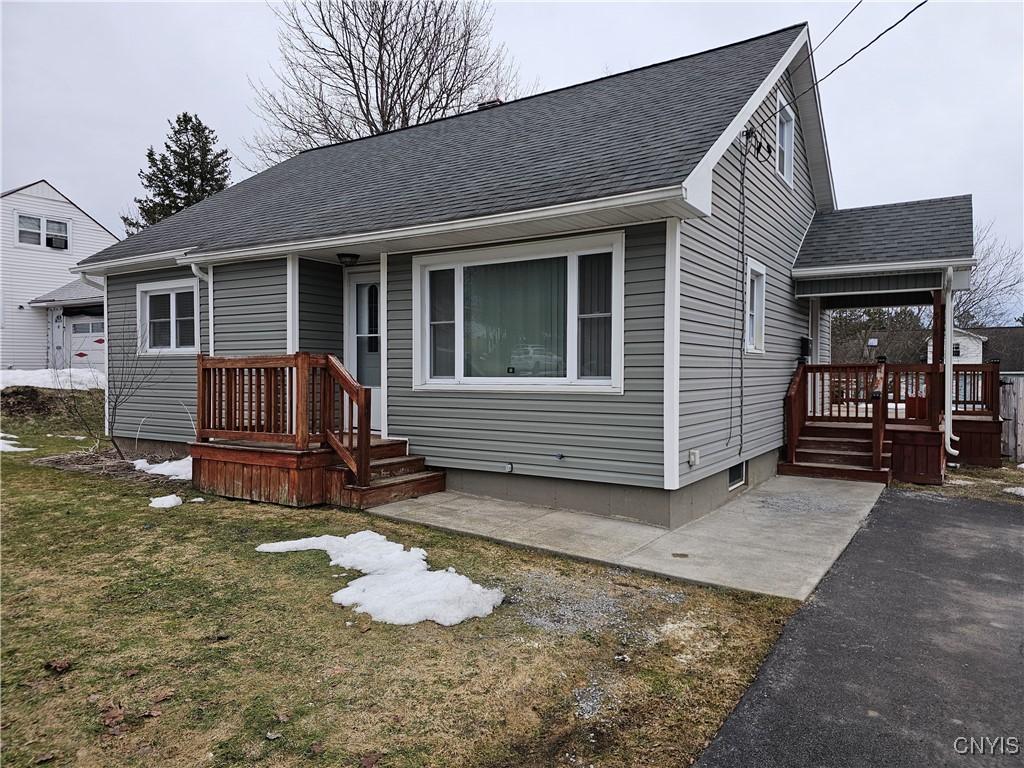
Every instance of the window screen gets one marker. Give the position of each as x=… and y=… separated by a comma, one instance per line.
x=595, y=315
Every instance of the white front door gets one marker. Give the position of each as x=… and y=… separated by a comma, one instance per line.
x=362, y=336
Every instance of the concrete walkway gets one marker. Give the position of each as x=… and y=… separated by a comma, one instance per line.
x=779, y=538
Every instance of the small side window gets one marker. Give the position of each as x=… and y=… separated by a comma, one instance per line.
x=784, y=129
x=956, y=349
x=756, y=277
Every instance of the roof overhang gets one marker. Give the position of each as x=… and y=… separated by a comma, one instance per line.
x=601, y=213
x=67, y=303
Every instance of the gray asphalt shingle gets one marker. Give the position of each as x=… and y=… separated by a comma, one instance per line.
x=76, y=290
x=639, y=130
x=920, y=230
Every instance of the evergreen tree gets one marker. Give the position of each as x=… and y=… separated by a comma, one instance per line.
x=189, y=169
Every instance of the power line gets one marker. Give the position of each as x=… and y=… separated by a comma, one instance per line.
x=826, y=37
x=855, y=54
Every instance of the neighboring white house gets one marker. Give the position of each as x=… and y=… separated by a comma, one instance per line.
x=968, y=348
x=49, y=319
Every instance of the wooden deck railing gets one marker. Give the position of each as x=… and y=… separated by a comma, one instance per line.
x=295, y=400
x=885, y=394
x=976, y=390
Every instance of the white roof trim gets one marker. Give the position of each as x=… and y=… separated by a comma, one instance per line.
x=699, y=181
x=871, y=269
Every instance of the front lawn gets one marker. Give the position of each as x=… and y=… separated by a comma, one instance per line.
x=139, y=636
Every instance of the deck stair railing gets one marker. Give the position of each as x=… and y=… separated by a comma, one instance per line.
x=295, y=401
x=885, y=394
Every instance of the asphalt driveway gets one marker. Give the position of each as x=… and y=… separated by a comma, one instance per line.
x=911, y=645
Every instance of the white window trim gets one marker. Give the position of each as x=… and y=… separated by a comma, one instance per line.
x=142, y=291
x=42, y=246
x=613, y=242
x=783, y=108
x=754, y=267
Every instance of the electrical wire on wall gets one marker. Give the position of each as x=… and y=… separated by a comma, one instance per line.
x=751, y=143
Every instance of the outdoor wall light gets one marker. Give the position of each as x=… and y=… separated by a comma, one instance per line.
x=347, y=259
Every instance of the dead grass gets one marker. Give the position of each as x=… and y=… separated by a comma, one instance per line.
x=172, y=622
x=978, y=483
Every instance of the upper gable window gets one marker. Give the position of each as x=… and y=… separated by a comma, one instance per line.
x=35, y=230
x=784, y=129
x=29, y=228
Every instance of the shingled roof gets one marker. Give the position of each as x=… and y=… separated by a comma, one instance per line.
x=640, y=130
x=939, y=230
x=75, y=292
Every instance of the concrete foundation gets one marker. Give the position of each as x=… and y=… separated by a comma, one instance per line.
x=652, y=506
x=143, y=447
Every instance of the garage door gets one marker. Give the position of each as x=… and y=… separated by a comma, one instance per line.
x=88, y=340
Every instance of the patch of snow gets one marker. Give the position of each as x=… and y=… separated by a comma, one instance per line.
x=1015, y=491
x=8, y=444
x=51, y=378
x=196, y=500
x=1020, y=466
x=399, y=587
x=958, y=481
x=165, y=502
x=180, y=469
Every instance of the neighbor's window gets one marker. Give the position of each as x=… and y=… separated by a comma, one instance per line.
x=521, y=316
x=784, y=141
x=956, y=349
x=756, y=277
x=57, y=235
x=168, y=317
x=29, y=228
x=31, y=231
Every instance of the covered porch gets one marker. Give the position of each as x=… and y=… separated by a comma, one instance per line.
x=890, y=419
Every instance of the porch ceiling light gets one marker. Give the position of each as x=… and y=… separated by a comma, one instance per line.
x=347, y=259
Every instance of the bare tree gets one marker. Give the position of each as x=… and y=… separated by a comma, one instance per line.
x=128, y=373
x=353, y=68
x=997, y=284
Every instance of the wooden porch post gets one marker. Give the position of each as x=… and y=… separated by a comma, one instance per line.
x=936, y=383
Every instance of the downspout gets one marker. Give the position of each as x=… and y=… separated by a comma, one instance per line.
x=947, y=290
x=90, y=282
x=204, y=276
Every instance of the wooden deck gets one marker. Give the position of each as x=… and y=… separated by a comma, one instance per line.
x=294, y=430
x=883, y=422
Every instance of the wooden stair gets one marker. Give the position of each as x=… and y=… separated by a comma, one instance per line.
x=281, y=474
x=838, y=450
x=394, y=475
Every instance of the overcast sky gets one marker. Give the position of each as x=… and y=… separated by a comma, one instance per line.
x=934, y=108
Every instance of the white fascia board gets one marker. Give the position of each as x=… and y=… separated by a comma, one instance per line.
x=130, y=263
x=848, y=270
x=673, y=194
x=698, y=183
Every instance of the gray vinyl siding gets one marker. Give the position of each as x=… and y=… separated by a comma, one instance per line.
x=607, y=438
x=250, y=303
x=711, y=317
x=825, y=337
x=910, y=281
x=165, y=406
x=321, y=313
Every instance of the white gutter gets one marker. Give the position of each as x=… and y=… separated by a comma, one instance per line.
x=677, y=193
x=204, y=276
x=870, y=269
x=947, y=363
x=89, y=281
x=127, y=263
